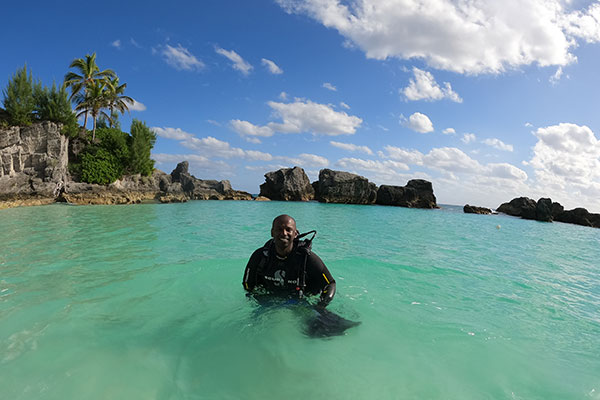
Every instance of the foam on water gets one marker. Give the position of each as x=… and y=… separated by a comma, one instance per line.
x=145, y=302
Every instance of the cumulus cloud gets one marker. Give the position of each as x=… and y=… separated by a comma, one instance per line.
x=272, y=67
x=450, y=161
x=468, y=138
x=137, y=106
x=449, y=131
x=197, y=162
x=180, y=58
x=116, y=43
x=470, y=37
x=329, y=86
x=305, y=160
x=567, y=156
x=424, y=87
x=210, y=146
x=299, y=117
x=498, y=144
x=344, y=105
x=351, y=147
x=418, y=122
x=238, y=62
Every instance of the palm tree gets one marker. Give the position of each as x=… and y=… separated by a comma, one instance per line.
x=116, y=99
x=89, y=74
x=94, y=101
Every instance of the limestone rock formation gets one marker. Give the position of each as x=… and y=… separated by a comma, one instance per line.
x=344, y=187
x=287, y=184
x=547, y=210
x=418, y=193
x=476, y=210
x=33, y=161
x=199, y=189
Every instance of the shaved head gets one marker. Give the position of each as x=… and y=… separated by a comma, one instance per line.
x=283, y=218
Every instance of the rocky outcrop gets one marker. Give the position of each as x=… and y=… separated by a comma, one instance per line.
x=344, y=187
x=417, y=193
x=468, y=209
x=546, y=210
x=33, y=162
x=287, y=184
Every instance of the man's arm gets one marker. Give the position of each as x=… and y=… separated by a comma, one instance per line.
x=249, y=281
x=319, y=280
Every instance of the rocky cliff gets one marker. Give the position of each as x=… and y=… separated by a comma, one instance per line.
x=33, y=163
x=288, y=184
x=344, y=187
x=33, y=171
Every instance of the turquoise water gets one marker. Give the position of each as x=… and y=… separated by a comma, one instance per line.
x=145, y=302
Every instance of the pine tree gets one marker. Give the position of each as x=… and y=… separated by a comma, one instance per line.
x=19, y=102
x=142, y=142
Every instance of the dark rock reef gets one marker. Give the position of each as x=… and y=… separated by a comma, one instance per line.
x=546, y=210
x=287, y=184
x=417, y=193
x=468, y=209
x=344, y=187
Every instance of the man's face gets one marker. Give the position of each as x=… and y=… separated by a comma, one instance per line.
x=284, y=232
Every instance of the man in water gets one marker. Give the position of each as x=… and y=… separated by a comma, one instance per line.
x=286, y=267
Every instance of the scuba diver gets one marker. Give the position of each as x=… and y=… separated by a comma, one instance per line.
x=286, y=268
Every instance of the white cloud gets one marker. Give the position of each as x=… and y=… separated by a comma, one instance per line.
x=449, y=131
x=133, y=42
x=180, y=58
x=462, y=36
x=424, y=87
x=329, y=86
x=283, y=96
x=299, y=117
x=406, y=156
x=528, y=124
x=383, y=128
x=468, y=138
x=557, y=75
x=238, y=62
x=213, y=122
x=137, y=106
x=116, y=43
x=351, y=147
x=567, y=157
x=344, y=105
x=210, y=146
x=498, y=144
x=305, y=161
x=418, y=122
x=197, y=163
x=272, y=67
x=382, y=167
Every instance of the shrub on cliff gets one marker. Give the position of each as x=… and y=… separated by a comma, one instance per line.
x=100, y=166
x=18, y=98
x=54, y=105
x=142, y=141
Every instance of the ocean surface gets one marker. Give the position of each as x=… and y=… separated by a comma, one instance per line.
x=146, y=302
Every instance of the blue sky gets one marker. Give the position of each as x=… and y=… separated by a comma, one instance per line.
x=488, y=100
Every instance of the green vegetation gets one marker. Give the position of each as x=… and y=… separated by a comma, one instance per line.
x=108, y=153
x=18, y=98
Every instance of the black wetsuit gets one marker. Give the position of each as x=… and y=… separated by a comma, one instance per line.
x=267, y=273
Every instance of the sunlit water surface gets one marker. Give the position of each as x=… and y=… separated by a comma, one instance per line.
x=145, y=302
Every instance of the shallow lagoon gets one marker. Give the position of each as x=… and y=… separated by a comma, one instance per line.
x=145, y=302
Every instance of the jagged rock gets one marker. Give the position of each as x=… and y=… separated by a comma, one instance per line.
x=519, y=207
x=344, y=187
x=417, y=193
x=262, y=198
x=173, y=198
x=33, y=161
x=476, y=210
x=543, y=210
x=287, y=184
x=579, y=216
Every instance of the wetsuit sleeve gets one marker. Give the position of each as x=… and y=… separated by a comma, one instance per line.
x=249, y=281
x=319, y=279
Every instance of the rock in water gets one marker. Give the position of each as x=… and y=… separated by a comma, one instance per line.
x=344, y=187
x=287, y=184
x=418, y=193
x=476, y=210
